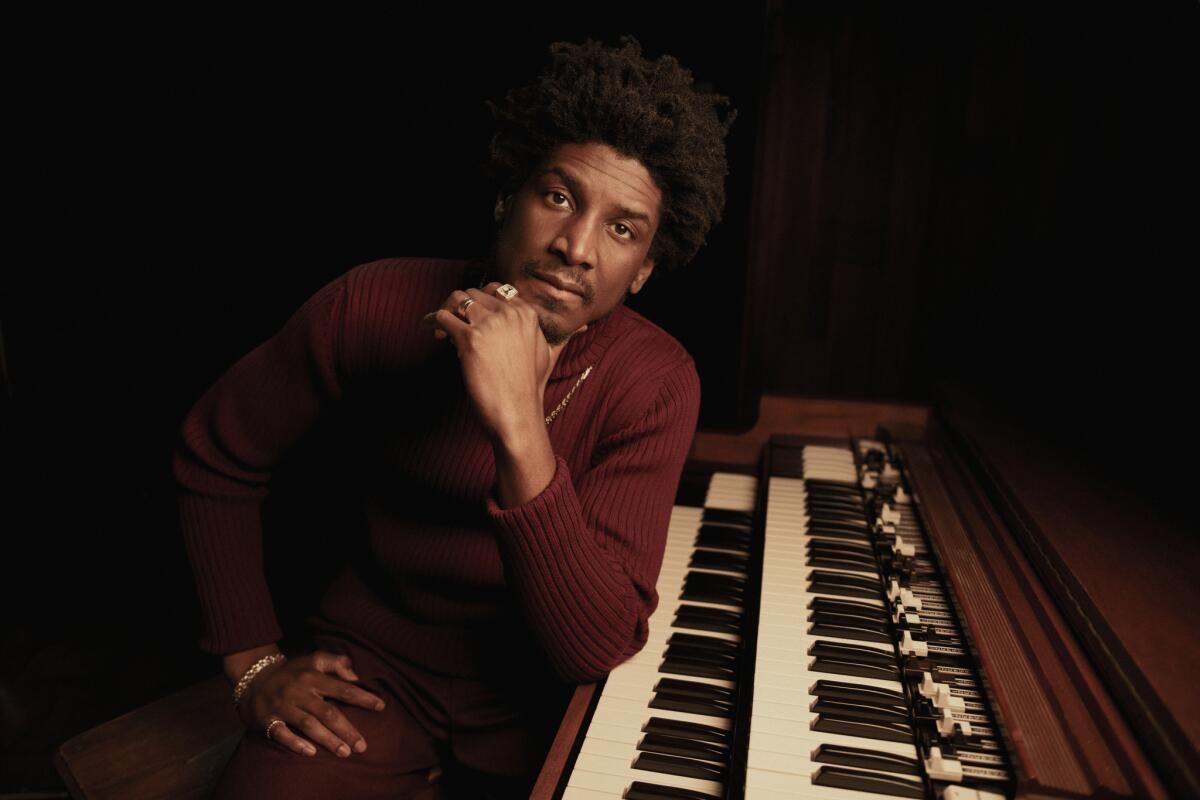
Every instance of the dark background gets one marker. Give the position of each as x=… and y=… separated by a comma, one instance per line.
x=1003, y=201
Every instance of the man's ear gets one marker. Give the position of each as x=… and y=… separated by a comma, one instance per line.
x=642, y=275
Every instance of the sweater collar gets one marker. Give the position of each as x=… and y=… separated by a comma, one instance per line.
x=585, y=349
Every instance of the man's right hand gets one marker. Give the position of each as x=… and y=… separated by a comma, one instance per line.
x=296, y=691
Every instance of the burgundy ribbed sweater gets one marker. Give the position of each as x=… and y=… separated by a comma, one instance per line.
x=452, y=582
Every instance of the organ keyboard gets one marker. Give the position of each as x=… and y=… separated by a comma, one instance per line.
x=808, y=643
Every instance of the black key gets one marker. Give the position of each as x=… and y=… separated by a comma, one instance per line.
x=709, y=559
x=710, y=594
x=704, y=643
x=841, y=508
x=693, y=486
x=857, y=608
x=650, y=791
x=870, y=712
x=818, y=523
x=842, y=561
x=699, y=622
x=851, y=620
x=838, y=532
x=883, y=731
x=853, y=652
x=720, y=536
x=707, y=655
x=705, y=612
x=696, y=669
x=673, y=765
x=858, y=669
x=691, y=705
x=694, y=689
x=846, y=507
x=842, y=585
x=701, y=655
x=868, y=759
x=843, y=627
x=728, y=516
x=698, y=690
x=713, y=579
x=867, y=782
x=825, y=486
x=840, y=690
x=841, y=545
x=689, y=730
x=704, y=590
x=688, y=748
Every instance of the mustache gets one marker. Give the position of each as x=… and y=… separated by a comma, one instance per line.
x=574, y=278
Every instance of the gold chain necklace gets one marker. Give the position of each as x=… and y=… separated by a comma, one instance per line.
x=563, y=403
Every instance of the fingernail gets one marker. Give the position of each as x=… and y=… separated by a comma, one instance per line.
x=308, y=748
x=360, y=746
x=344, y=751
x=379, y=706
x=353, y=675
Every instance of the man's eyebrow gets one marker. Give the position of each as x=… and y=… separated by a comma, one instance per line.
x=573, y=185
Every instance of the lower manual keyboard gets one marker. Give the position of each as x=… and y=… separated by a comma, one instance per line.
x=663, y=722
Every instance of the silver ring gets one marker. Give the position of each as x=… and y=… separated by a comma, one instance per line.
x=271, y=726
x=507, y=291
x=464, y=305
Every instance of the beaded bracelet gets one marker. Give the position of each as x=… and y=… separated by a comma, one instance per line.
x=244, y=682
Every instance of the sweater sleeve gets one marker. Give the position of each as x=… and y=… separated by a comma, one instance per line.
x=584, y=555
x=230, y=442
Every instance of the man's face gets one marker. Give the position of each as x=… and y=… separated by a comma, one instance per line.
x=576, y=236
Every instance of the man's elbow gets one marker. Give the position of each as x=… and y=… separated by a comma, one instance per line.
x=578, y=665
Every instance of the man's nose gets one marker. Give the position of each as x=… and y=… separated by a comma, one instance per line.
x=575, y=242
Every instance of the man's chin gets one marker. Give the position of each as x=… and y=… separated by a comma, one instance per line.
x=554, y=334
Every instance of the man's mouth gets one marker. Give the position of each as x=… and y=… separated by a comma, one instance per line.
x=560, y=284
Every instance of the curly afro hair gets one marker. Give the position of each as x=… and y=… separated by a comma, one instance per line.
x=643, y=109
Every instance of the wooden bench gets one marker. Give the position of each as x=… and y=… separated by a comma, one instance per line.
x=173, y=748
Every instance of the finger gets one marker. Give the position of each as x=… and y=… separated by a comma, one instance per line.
x=486, y=299
x=342, y=666
x=314, y=728
x=453, y=303
x=477, y=305
x=346, y=693
x=457, y=303
x=448, y=323
x=283, y=736
x=324, y=661
x=330, y=728
x=427, y=322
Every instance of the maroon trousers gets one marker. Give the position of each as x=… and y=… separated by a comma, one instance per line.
x=476, y=738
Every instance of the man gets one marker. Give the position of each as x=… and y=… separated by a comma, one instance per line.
x=518, y=437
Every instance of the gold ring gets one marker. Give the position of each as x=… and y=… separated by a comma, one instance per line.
x=271, y=726
x=463, y=306
x=507, y=291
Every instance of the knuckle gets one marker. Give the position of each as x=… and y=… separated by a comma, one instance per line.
x=329, y=714
x=312, y=727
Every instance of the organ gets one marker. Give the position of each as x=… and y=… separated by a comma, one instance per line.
x=869, y=600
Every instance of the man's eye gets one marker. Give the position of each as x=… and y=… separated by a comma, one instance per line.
x=623, y=230
x=557, y=198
